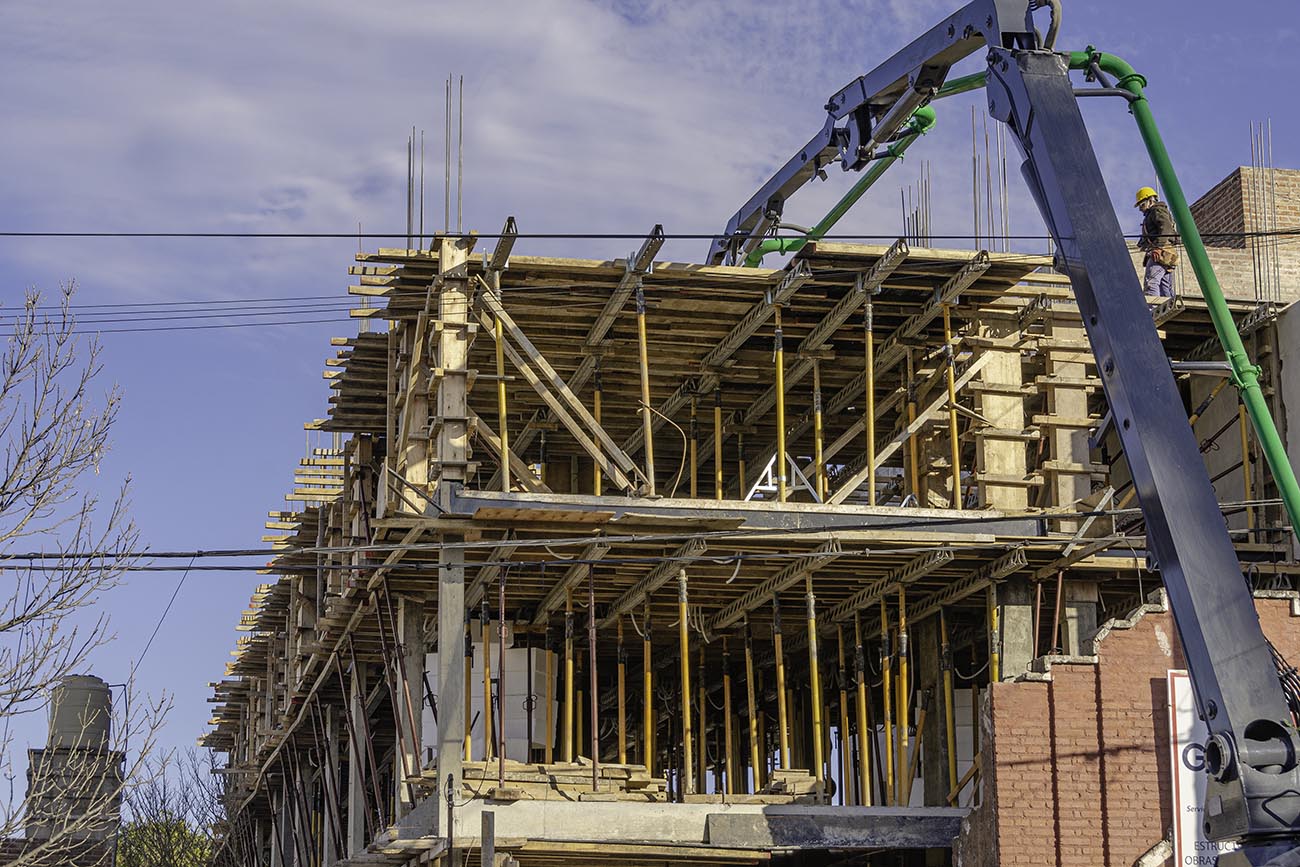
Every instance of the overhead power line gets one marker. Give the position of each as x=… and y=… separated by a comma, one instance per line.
x=547, y=236
x=575, y=541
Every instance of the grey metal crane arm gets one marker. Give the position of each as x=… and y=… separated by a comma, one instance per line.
x=1253, y=752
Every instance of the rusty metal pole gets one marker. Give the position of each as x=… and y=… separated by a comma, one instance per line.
x=842, y=682
x=755, y=763
x=568, y=676
x=501, y=678
x=622, y=696
x=728, y=753
x=594, y=698
x=488, y=736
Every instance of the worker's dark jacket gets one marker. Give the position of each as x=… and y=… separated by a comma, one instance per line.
x=1158, y=229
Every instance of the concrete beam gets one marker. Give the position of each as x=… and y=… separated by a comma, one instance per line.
x=841, y=828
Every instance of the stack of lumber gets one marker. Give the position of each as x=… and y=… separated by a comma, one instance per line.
x=571, y=781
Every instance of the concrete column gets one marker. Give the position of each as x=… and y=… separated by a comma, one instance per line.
x=451, y=671
x=1015, y=599
x=452, y=455
x=410, y=638
x=934, y=741
x=1078, y=616
x=1001, y=454
x=329, y=844
x=356, y=795
x=1066, y=423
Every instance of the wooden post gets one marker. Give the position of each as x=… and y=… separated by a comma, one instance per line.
x=864, y=730
x=951, y=352
x=887, y=676
x=622, y=696
x=781, y=710
x=567, y=730
x=693, y=440
x=596, y=478
x=913, y=459
x=728, y=753
x=489, y=748
x=684, y=654
x=815, y=682
x=647, y=430
x=756, y=764
x=819, y=462
x=717, y=445
x=780, y=411
x=503, y=431
x=869, y=413
x=740, y=466
x=904, y=700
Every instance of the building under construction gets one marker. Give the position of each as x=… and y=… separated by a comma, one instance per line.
x=643, y=562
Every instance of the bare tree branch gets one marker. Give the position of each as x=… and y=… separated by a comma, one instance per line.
x=54, y=432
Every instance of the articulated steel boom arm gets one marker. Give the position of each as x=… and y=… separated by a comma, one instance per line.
x=1252, y=755
x=874, y=106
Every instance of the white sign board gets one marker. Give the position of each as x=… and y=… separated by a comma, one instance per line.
x=1187, y=736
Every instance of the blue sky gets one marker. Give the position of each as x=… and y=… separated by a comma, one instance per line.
x=579, y=116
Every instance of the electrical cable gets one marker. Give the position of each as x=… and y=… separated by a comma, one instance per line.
x=555, y=236
x=157, y=626
x=740, y=533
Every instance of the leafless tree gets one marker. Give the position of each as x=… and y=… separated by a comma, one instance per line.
x=172, y=818
x=54, y=431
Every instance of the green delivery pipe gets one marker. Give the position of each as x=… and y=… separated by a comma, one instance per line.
x=918, y=125
x=1245, y=375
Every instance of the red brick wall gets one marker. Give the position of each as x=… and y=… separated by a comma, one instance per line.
x=1076, y=766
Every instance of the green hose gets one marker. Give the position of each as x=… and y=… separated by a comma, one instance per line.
x=1245, y=375
x=917, y=125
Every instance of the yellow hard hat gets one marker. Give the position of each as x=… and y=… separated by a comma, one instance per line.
x=1143, y=194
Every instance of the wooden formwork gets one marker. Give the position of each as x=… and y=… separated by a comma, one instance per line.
x=976, y=359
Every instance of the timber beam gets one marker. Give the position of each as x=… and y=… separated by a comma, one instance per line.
x=890, y=353
x=708, y=380
x=658, y=576
x=825, y=554
x=572, y=579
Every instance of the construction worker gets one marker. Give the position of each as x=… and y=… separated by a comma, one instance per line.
x=1158, y=242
